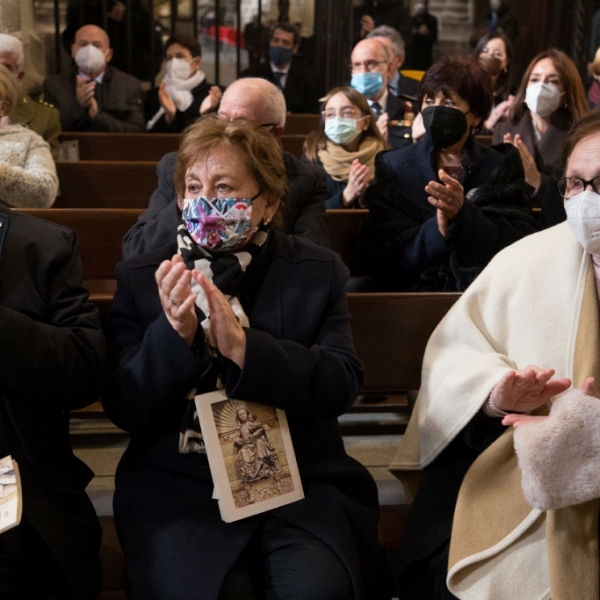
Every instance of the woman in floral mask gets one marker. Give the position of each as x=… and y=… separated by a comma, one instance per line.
x=550, y=99
x=234, y=304
x=441, y=208
x=345, y=144
x=184, y=94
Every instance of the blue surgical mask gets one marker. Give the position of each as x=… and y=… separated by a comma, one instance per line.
x=219, y=223
x=368, y=84
x=280, y=56
x=341, y=131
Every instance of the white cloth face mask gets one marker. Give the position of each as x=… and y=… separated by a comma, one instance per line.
x=583, y=216
x=178, y=68
x=90, y=59
x=542, y=98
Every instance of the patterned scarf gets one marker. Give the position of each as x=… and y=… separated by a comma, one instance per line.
x=226, y=271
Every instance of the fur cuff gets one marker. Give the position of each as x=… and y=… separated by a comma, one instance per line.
x=560, y=456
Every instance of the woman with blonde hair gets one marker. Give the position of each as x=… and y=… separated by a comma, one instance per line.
x=27, y=172
x=345, y=144
x=550, y=99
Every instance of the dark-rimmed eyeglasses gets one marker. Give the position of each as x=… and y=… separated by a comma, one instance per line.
x=571, y=186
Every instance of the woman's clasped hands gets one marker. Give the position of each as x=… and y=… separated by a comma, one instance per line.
x=359, y=180
x=178, y=300
x=447, y=197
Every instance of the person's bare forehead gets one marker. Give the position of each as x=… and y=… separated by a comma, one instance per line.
x=91, y=34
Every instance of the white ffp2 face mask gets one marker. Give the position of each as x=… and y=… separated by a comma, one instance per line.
x=90, y=59
x=542, y=98
x=178, y=68
x=583, y=216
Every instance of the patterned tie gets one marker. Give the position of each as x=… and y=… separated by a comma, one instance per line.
x=376, y=107
x=278, y=77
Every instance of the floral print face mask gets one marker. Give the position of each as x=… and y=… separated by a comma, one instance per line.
x=219, y=223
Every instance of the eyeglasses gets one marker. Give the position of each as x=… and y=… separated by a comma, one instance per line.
x=571, y=186
x=269, y=125
x=345, y=113
x=369, y=65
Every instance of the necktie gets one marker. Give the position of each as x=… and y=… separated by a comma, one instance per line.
x=376, y=107
x=278, y=77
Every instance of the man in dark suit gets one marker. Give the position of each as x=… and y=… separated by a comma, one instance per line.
x=304, y=210
x=93, y=96
x=371, y=67
x=282, y=69
x=51, y=361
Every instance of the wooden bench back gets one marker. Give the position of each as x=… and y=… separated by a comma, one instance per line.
x=105, y=184
x=390, y=334
x=301, y=124
x=123, y=146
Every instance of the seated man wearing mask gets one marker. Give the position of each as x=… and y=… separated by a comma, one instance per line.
x=51, y=361
x=370, y=63
x=285, y=72
x=304, y=212
x=38, y=116
x=94, y=96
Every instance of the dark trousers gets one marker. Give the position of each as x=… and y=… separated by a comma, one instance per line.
x=28, y=569
x=284, y=562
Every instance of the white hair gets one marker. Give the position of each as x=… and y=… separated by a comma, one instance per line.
x=392, y=34
x=9, y=44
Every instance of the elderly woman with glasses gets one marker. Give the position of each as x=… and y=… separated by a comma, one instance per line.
x=442, y=208
x=503, y=511
x=345, y=144
x=232, y=303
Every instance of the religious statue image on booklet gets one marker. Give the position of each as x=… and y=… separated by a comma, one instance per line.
x=250, y=454
x=11, y=502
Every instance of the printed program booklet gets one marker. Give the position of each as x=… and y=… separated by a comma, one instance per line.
x=250, y=454
x=11, y=502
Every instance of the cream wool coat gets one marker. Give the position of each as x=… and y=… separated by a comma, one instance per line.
x=27, y=172
x=535, y=304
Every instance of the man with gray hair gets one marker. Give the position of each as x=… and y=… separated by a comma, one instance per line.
x=397, y=84
x=262, y=102
x=38, y=116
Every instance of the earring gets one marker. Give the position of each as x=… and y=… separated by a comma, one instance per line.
x=267, y=221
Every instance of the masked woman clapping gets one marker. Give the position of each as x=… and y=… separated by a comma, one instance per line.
x=550, y=99
x=184, y=94
x=233, y=303
x=345, y=144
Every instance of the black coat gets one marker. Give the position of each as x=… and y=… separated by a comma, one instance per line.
x=182, y=118
x=403, y=247
x=547, y=153
x=299, y=92
x=303, y=212
x=299, y=357
x=51, y=357
x=119, y=102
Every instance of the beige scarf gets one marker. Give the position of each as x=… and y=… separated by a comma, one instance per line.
x=336, y=160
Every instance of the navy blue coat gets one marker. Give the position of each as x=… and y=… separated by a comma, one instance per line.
x=51, y=361
x=299, y=357
x=403, y=247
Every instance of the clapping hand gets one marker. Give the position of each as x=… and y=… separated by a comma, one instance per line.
x=532, y=175
x=447, y=197
x=358, y=181
x=212, y=100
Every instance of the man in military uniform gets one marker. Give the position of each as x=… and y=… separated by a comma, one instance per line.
x=39, y=116
x=405, y=90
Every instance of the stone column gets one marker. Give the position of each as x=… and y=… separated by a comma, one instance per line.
x=455, y=24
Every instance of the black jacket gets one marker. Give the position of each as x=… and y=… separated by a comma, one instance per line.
x=299, y=92
x=403, y=247
x=182, y=118
x=299, y=357
x=303, y=212
x=51, y=357
x=118, y=96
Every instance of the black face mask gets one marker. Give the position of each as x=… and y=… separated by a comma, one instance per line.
x=445, y=125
